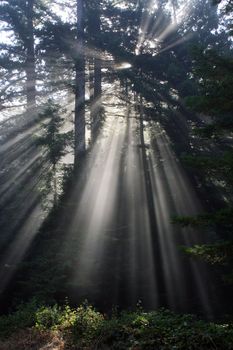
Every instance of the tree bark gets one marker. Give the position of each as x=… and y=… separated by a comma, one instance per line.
x=30, y=64
x=174, y=6
x=80, y=85
x=158, y=261
x=96, y=103
x=94, y=29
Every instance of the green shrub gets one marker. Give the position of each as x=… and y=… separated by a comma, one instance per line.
x=84, y=327
x=23, y=317
x=87, y=324
x=48, y=317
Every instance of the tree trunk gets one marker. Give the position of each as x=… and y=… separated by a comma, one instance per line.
x=158, y=261
x=80, y=86
x=96, y=103
x=91, y=81
x=94, y=30
x=97, y=78
x=55, y=193
x=30, y=66
x=174, y=6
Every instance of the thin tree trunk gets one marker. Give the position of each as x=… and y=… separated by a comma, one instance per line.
x=55, y=194
x=174, y=6
x=158, y=261
x=80, y=86
x=96, y=103
x=94, y=28
x=91, y=78
x=97, y=78
x=30, y=59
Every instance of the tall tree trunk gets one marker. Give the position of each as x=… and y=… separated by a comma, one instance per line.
x=55, y=194
x=91, y=82
x=30, y=59
x=97, y=78
x=174, y=6
x=96, y=103
x=94, y=29
x=80, y=86
x=158, y=261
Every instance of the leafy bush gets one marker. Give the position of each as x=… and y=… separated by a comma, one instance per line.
x=23, y=317
x=48, y=317
x=84, y=327
x=165, y=330
x=87, y=324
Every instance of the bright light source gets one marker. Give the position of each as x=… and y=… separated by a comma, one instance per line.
x=123, y=65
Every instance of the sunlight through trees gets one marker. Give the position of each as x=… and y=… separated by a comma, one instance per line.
x=116, y=154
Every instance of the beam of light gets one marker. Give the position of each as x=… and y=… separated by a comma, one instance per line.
x=121, y=66
x=89, y=52
x=174, y=280
x=140, y=244
x=8, y=186
x=157, y=28
x=166, y=32
x=17, y=139
x=180, y=200
x=144, y=26
x=175, y=174
x=23, y=169
x=144, y=34
x=19, y=246
x=98, y=206
x=112, y=214
x=25, y=221
x=184, y=11
x=158, y=33
x=98, y=200
x=114, y=222
x=175, y=43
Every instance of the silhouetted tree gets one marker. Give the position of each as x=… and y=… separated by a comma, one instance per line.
x=80, y=85
x=18, y=17
x=54, y=142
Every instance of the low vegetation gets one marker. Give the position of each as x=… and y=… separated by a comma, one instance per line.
x=34, y=327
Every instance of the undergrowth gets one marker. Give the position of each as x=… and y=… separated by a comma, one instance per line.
x=85, y=328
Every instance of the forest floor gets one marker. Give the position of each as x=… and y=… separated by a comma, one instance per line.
x=83, y=328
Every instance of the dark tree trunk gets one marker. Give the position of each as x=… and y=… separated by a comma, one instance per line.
x=30, y=59
x=158, y=261
x=80, y=86
x=94, y=31
x=55, y=192
x=97, y=78
x=96, y=103
x=91, y=79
